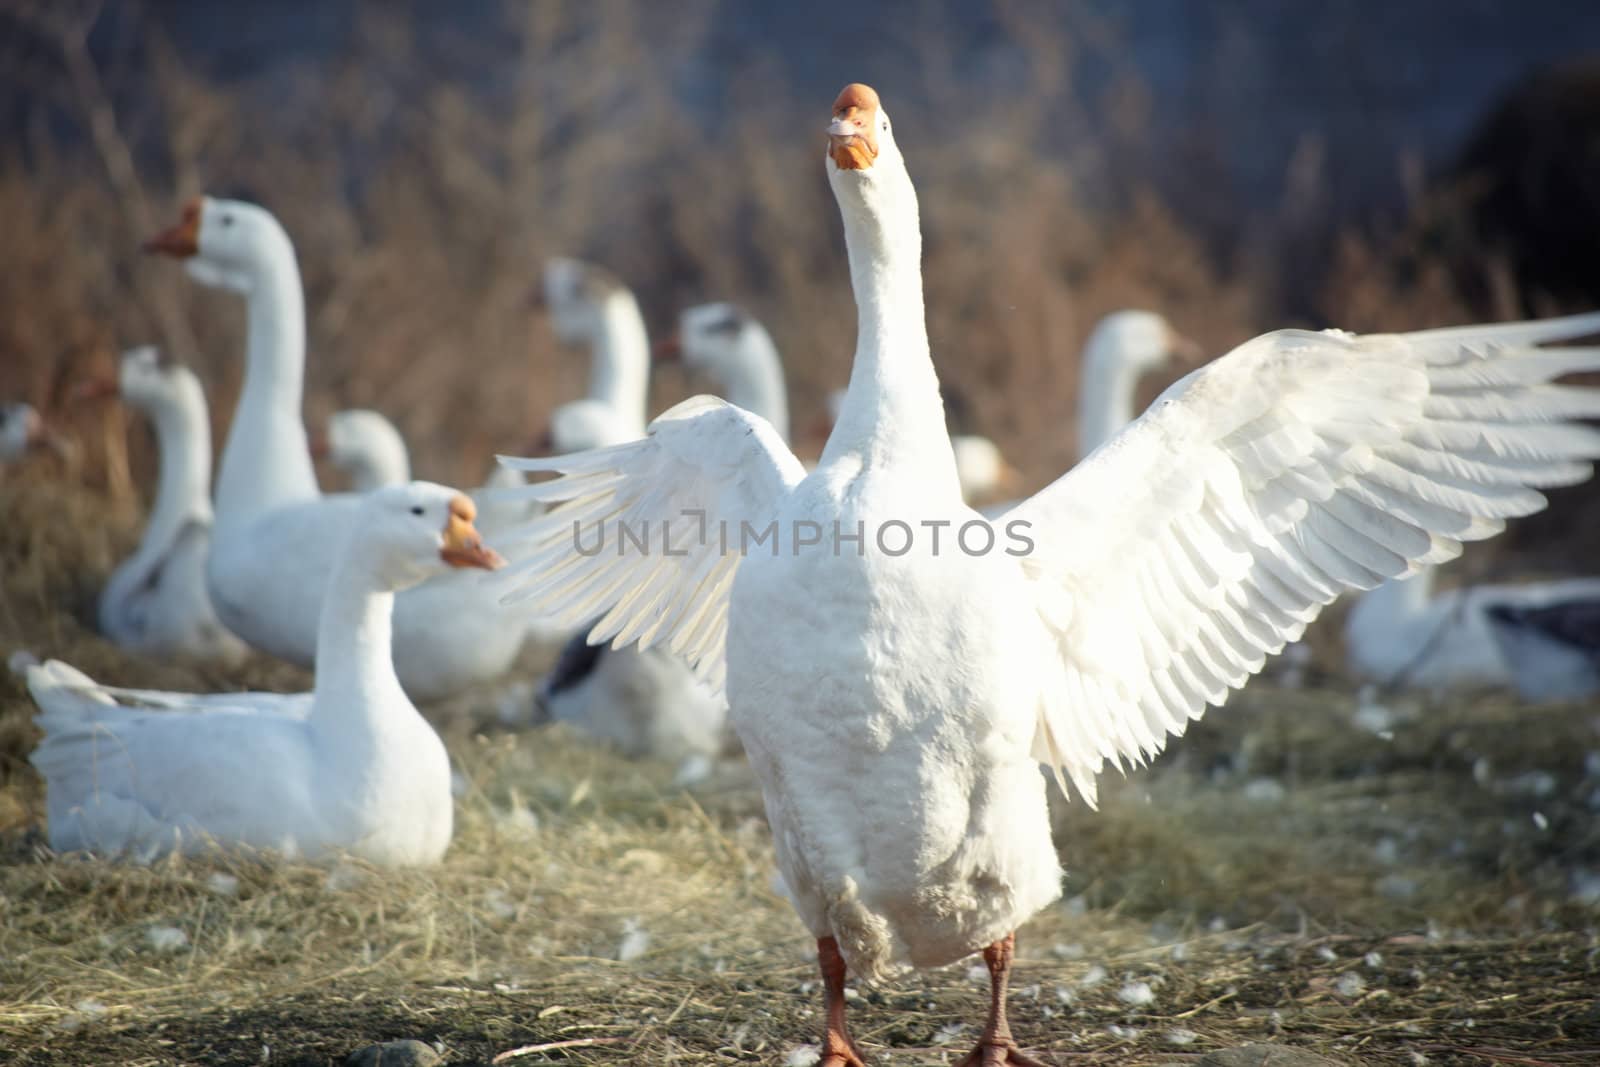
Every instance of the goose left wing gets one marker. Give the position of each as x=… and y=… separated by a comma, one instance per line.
x=634, y=533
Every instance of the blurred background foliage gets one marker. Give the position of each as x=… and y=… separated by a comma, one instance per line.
x=1239, y=166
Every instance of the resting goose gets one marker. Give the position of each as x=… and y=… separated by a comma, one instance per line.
x=1401, y=634
x=1553, y=647
x=349, y=767
x=894, y=697
x=276, y=534
x=364, y=446
x=155, y=603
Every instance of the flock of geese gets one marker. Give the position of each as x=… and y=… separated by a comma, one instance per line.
x=896, y=703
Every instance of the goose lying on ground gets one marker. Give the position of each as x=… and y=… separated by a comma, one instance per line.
x=1401, y=634
x=894, y=696
x=1553, y=647
x=276, y=534
x=350, y=766
x=155, y=603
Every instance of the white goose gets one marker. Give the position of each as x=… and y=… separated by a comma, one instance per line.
x=732, y=346
x=590, y=306
x=20, y=429
x=894, y=697
x=982, y=470
x=276, y=534
x=156, y=602
x=1122, y=348
x=1554, y=646
x=642, y=702
x=350, y=766
x=1401, y=634
x=365, y=447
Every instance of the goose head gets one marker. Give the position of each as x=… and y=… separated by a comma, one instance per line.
x=152, y=383
x=575, y=293
x=415, y=530
x=720, y=339
x=365, y=447
x=225, y=244
x=864, y=165
x=20, y=429
x=1140, y=341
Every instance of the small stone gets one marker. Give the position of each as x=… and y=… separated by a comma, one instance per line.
x=406, y=1053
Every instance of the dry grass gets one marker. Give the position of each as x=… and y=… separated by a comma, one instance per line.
x=1245, y=880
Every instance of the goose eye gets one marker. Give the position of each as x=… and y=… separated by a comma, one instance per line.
x=227, y=220
x=416, y=509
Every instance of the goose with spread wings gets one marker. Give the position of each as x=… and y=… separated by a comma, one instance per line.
x=897, y=667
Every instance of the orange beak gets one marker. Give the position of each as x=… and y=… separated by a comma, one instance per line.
x=668, y=350
x=321, y=447
x=852, y=135
x=183, y=240
x=463, y=545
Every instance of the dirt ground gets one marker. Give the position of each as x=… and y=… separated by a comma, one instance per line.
x=1388, y=881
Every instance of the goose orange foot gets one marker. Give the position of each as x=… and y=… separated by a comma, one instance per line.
x=996, y=1047
x=837, y=1048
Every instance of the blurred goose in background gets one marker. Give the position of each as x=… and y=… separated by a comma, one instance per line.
x=1401, y=634
x=894, y=701
x=155, y=602
x=642, y=702
x=1123, y=347
x=590, y=306
x=1553, y=647
x=365, y=447
x=349, y=767
x=368, y=449
x=20, y=429
x=276, y=534
x=731, y=345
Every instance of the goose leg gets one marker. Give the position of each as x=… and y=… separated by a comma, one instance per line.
x=996, y=1046
x=837, y=1048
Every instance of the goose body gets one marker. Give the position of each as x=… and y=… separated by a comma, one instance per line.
x=1403, y=634
x=350, y=767
x=1553, y=646
x=895, y=699
x=156, y=603
x=276, y=535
